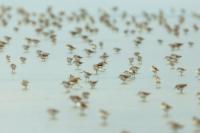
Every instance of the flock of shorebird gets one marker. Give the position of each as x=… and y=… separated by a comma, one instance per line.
x=47, y=25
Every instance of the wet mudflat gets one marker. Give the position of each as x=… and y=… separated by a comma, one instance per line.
x=105, y=69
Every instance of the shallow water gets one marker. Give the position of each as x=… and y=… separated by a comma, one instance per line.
x=26, y=111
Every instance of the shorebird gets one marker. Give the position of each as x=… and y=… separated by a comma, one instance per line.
x=131, y=60
x=76, y=31
x=71, y=82
x=93, y=83
x=117, y=50
x=154, y=69
x=195, y=27
x=2, y=44
x=35, y=41
x=104, y=114
x=13, y=67
x=181, y=70
x=87, y=75
x=26, y=47
x=160, y=41
x=104, y=57
x=28, y=40
x=89, y=51
x=138, y=41
x=143, y=95
x=198, y=73
x=157, y=80
x=124, y=77
x=138, y=57
x=67, y=85
x=190, y=43
x=85, y=95
x=74, y=79
x=82, y=106
x=70, y=47
x=75, y=99
x=8, y=58
x=7, y=38
x=25, y=83
x=181, y=87
x=175, y=126
x=166, y=108
x=77, y=57
x=32, y=40
x=198, y=96
x=77, y=63
x=23, y=60
x=173, y=59
x=125, y=131
x=53, y=38
x=69, y=60
x=101, y=45
x=52, y=113
x=176, y=45
x=96, y=68
x=99, y=66
x=196, y=121
x=44, y=55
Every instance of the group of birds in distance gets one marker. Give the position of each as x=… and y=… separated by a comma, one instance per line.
x=47, y=25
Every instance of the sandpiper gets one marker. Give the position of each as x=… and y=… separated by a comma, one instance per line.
x=25, y=83
x=143, y=95
x=52, y=113
x=181, y=87
x=13, y=67
x=175, y=126
x=166, y=108
x=104, y=114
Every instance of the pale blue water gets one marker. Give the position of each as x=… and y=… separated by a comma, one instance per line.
x=25, y=111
